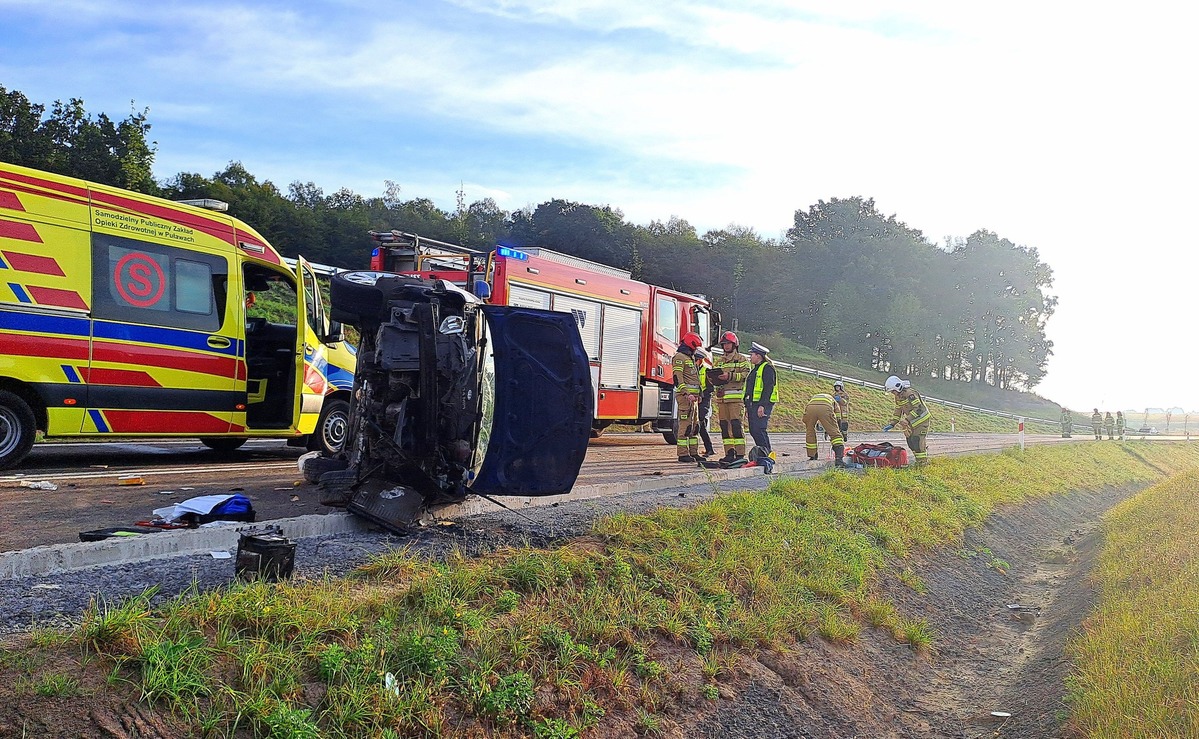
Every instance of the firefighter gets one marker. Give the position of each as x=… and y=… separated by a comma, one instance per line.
x=1109, y=425
x=730, y=372
x=841, y=408
x=1097, y=424
x=686, y=393
x=821, y=409
x=1067, y=423
x=912, y=414
x=1120, y=425
x=761, y=393
x=703, y=365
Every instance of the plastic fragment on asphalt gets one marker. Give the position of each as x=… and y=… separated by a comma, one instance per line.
x=221, y=555
x=1001, y=714
x=40, y=485
x=130, y=480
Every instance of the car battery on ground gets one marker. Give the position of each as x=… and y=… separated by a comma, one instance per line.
x=264, y=553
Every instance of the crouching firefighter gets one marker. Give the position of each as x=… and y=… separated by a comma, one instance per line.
x=820, y=410
x=912, y=413
x=686, y=393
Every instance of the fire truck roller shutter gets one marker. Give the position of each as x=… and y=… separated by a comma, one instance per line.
x=587, y=318
x=524, y=297
x=620, y=350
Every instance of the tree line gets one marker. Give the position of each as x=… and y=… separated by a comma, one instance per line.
x=845, y=279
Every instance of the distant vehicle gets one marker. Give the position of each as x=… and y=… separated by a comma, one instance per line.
x=453, y=397
x=1146, y=430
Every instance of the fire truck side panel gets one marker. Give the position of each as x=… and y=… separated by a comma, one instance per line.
x=611, y=315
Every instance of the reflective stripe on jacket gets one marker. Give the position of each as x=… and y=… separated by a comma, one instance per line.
x=738, y=367
x=909, y=404
x=757, y=374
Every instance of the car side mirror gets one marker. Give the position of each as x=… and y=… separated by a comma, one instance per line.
x=482, y=290
x=335, y=333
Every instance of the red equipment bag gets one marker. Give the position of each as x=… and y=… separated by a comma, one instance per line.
x=878, y=455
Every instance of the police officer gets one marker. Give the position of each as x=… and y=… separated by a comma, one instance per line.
x=1097, y=424
x=731, y=369
x=686, y=393
x=820, y=409
x=913, y=414
x=841, y=408
x=761, y=393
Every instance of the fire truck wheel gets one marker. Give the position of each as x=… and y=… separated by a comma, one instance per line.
x=330, y=435
x=17, y=427
x=671, y=437
x=222, y=444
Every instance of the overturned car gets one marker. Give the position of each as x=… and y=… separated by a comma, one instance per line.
x=453, y=397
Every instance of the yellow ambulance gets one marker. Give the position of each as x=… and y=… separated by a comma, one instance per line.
x=123, y=315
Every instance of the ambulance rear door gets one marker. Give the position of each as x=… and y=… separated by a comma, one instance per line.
x=165, y=337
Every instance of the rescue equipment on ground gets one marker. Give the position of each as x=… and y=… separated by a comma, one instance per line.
x=878, y=455
x=264, y=553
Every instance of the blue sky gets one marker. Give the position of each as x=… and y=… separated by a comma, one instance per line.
x=1067, y=127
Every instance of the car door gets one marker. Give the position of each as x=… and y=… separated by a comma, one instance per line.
x=543, y=408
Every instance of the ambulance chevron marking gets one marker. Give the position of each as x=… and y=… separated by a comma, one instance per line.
x=19, y=292
x=33, y=263
x=19, y=232
x=10, y=201
x=58, y=298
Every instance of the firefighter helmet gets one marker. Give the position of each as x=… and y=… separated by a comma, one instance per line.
x=692, y=340
x=728, y=337
x=838, y=384
x=894, y=384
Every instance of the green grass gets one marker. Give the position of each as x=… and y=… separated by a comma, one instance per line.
x=548, y=642
x=1137, y=657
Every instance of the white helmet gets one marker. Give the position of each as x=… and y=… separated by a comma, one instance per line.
x=893, y=384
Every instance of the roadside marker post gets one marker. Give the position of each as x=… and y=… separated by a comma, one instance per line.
x=1021, y=433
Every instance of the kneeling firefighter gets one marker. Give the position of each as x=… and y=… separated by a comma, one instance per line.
x=912, y=414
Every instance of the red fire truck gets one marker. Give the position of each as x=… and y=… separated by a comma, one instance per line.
x=630, y=329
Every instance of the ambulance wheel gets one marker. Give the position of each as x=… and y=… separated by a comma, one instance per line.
x=17, y=427
x=222, y=444
x=332, y=428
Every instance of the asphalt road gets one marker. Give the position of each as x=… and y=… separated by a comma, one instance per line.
x=89, y=493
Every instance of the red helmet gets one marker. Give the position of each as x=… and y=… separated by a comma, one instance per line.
x=692, y=340
x=728, y=337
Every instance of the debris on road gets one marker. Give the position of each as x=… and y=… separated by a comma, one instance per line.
x=40, y=485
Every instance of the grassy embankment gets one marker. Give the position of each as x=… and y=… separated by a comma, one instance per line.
x=871, y=410
x=1138, y=656
x=648, y=614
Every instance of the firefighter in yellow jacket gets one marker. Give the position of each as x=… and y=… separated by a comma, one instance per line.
x=820, y=409
x=729, y=374
x=911, y=414
x=686, y=393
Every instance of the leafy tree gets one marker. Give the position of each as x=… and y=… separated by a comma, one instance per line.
x=70, y=141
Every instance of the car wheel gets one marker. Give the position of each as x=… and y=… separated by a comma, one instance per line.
x=354, y=295
x=222, y=444
x=336, y=485
x=17, y=428
x=329, y=438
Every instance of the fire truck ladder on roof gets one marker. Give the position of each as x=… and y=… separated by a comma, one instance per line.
x=407, y=252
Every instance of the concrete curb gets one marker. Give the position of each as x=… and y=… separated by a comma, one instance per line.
x=58, y=558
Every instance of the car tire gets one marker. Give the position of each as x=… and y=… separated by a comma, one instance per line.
x=354, y=296
x=329, y=438
x=17, y=428
x=222, y=444
x=336, y=485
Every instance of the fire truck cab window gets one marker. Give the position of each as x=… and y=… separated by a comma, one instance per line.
x=668, y=318
x=152, y=284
